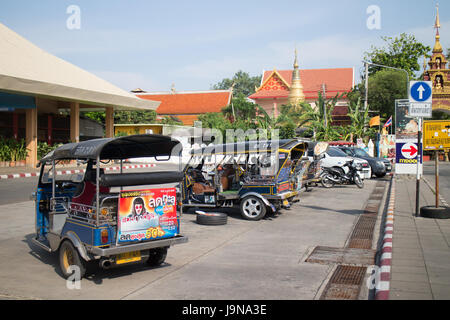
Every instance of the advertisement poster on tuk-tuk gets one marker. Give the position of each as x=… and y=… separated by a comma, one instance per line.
x=147, y=215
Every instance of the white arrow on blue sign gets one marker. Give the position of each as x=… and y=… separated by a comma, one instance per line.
x=420, y=91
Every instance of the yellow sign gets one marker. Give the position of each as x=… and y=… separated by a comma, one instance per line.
x=436, y=134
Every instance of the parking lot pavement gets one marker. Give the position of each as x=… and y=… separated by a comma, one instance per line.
x=239, y=260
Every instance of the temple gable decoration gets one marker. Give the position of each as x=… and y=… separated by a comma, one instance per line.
x=274, y=82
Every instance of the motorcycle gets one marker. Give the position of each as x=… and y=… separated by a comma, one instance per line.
x=332, y=176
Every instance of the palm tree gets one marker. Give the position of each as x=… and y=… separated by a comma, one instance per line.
x=314, y=117
x=359, y=127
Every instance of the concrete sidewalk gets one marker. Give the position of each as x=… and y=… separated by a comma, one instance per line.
x=421, y=247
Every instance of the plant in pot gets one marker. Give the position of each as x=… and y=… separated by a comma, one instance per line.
x=5, y=152
x=22, y=153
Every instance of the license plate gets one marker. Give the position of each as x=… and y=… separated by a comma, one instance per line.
x=128, y=257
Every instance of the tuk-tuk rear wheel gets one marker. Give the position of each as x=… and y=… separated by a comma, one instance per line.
x=253, y=208
x=69, y=256
x=157, y=256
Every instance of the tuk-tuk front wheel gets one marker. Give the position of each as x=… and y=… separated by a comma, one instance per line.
x=70, y=261
x=157, y=256
x=253, y=208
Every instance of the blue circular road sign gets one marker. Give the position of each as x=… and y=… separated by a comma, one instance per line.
x=420, y=91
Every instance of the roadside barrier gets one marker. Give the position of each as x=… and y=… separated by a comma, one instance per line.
x=35, y=174
x=382, y=287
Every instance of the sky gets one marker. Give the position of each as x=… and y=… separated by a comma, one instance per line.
x=195, y=44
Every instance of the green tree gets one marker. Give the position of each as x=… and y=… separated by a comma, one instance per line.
x=448, y=54
x=385, y=87
x=215, y=120
x=401, y=52
x=240, y=108
x=244, y=84
x=147, y=116
x=124, y=117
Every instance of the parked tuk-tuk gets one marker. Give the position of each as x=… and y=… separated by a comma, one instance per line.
x=310, y=164
x=257, y=176
x=94, y=217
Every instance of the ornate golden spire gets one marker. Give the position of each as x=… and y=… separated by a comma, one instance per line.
x=438, y=23
x=296, y=94
x=295, y=61
x=437, y=45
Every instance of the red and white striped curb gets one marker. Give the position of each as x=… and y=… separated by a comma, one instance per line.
x=34, y=174
x=382, y=287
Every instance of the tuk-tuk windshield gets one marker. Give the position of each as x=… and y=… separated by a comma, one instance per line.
x=75, y=176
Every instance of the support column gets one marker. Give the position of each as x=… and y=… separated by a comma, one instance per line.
x=16, y=125
x=31, y=136
x=109, y=122
x=275, y=108
x=50, y=129
x=75, y=121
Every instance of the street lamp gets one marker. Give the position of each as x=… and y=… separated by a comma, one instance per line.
x=382, y=66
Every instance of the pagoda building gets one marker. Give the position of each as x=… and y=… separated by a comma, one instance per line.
x=292, y=87
x=438, y=73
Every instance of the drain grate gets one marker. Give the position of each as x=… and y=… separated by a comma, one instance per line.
x=380, y=184
x=364, y=227
x=345, y=256
x=371, y=209
x=362, y=235
x=360, y=243
x=348, y=275
x=376, y=196
x=346, y=281
x=345, y=284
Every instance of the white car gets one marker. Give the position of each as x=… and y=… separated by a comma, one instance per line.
x=335, y=158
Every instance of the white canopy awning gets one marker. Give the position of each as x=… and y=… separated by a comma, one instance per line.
x=29, y=70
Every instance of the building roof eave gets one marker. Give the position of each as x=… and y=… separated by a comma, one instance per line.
x=65, y=93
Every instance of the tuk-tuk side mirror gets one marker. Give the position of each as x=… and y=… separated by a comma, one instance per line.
x=46, y=178
x=162, y=158
x=320, y=156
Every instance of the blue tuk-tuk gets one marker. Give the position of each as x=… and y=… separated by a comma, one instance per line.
x=94, y=218
x=257, y=176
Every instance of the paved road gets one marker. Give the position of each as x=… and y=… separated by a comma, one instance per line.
x=20, y=189
x=240, y=260
x=16, y=190
x=444, y=177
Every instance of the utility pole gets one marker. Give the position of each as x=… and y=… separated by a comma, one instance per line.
x=232, y=106
x=324, y=93
x=366, y=85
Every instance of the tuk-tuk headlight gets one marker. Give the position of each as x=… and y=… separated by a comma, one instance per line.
x=104, y=235
x=104, y=211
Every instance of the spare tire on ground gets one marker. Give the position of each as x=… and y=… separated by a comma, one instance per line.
x=435, y=213
x=211, y=218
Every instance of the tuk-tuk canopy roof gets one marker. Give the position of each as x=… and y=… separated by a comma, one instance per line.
x=136, y=146
x=250, y=147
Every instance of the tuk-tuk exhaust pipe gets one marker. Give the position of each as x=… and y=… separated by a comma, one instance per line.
x=106, y=263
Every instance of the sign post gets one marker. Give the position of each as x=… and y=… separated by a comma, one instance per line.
x=420, y=106
x=406, y=147
x=436, y=137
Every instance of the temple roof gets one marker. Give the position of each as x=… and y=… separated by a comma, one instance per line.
x=337, y=80
x=189, y=102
